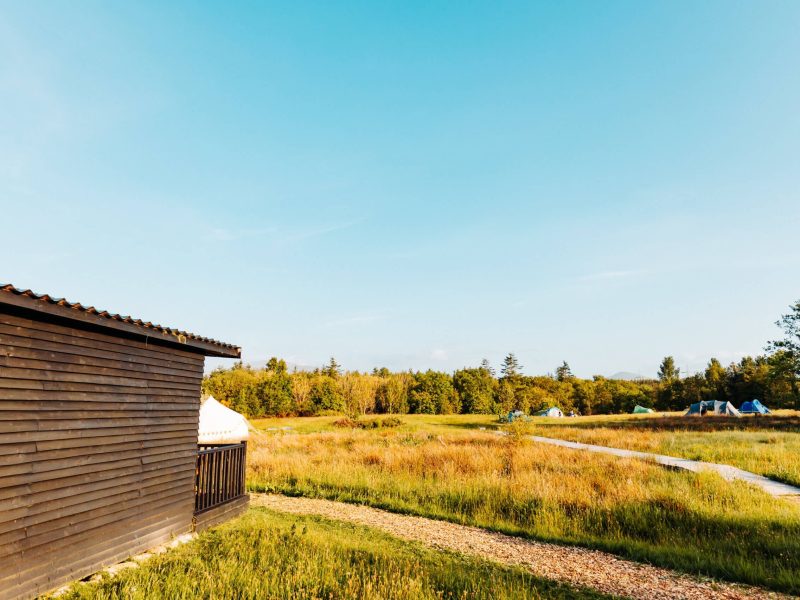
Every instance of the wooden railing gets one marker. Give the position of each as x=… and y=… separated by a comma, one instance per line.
x=219, y=475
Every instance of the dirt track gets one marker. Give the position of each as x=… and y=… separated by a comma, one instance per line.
x=576, y=566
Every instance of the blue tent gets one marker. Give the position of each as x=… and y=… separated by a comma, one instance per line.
x=754, y=407
x=713, y=407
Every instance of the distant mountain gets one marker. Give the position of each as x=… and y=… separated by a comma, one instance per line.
x=627, y=376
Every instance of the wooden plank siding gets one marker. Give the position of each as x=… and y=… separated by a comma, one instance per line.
x=98, y=446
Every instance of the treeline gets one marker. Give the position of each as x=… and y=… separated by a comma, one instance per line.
x=275, y=391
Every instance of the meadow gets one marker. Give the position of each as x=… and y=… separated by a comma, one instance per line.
x=449, y=468
x=270, y=555
x=769, y=446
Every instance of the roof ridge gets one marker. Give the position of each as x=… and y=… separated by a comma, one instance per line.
x=11, y=289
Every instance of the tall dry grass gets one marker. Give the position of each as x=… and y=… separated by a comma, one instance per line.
x=695, y=523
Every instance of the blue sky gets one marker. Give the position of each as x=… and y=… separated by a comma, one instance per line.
x=413, y=184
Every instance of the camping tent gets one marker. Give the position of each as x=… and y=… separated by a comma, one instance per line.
x=754, y=407
x=713, y=407
x=513, y=415
x=641, y=410
x=221, y=425
x=553, y=411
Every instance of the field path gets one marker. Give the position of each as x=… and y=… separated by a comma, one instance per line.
x=567, y=564
x=727, y=472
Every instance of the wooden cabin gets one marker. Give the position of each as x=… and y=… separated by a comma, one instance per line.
x=99, y=456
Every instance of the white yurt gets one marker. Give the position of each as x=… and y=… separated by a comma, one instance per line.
x=221, y=425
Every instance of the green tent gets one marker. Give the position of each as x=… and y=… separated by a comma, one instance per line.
x=642, y=410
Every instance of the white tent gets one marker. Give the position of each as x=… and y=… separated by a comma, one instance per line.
x=221, y=425
x=553, y=411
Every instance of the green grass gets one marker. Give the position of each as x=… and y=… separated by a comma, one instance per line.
x=270, y=555
x=446, y=468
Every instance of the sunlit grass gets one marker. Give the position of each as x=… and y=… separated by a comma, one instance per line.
x=696, y=523
x=428, y=423
x=769, y=446
x=270, y=555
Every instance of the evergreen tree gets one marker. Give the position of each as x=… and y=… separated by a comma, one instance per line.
x=511, y=367
x=332, y=369
x=563, y=373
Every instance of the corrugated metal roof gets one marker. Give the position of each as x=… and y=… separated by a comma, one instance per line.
x=182, y=337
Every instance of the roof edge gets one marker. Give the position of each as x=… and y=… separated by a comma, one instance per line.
x=90, y=316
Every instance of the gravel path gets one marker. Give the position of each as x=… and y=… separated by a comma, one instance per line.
x=576, y=566
x=727, y=472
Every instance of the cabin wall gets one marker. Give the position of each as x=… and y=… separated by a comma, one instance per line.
x=98, y=439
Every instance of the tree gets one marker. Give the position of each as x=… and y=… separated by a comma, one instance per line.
x=325, y=395
x=782, y=381
x=511, y=367
x=274, y=392
x=563, y=372
x=332, y=369
x=690, y=390
x=487, y=366
x=358, y=392
x=392, y=393
x=585, y=396
x=788, y=366
x=505, y=398
x=715, y=373
x=301, y=393
x=476, y=389
x=790, y=323
x=433, y=393
x=667, y=372
x=276, y=365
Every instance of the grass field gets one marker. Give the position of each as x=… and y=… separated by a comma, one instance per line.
x=269, y=555
x=769, y=446
x=446, y=467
